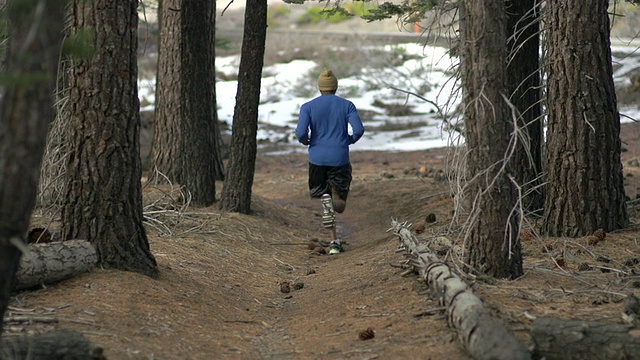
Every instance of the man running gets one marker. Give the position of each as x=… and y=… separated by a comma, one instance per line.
x=323, y=125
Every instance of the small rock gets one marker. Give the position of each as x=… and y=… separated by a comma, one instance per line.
x=311, y=271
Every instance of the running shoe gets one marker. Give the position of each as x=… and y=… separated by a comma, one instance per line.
x=335, y=247
x=328, y=215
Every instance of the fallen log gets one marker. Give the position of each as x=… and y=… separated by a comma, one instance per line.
x=584, y=340
x=482, y=336
x=54, y=345
x=52, y=262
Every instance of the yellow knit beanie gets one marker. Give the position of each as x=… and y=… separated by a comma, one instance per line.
x=327, y=81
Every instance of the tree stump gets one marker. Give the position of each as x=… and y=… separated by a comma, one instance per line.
x=52, y=262
x=584, y=340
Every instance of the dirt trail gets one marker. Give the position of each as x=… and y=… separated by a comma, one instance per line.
x=219, y=293
x=358, y=289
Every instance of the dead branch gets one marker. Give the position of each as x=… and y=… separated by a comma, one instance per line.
x=60, y=344
x=52, y=262
x=584, y=340
x=480, y=333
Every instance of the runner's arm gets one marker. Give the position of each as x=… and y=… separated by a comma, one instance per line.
x=302, y=130
x=356, y=124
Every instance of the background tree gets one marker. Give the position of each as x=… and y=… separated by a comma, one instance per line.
x=103, y=201
x=236, y=193
x=585, y=189
x=523, y=81
x=185, y=133
x=491, y=239
x=26, y=108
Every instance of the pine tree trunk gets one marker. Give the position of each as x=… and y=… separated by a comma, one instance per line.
x=103, y=203
x=493, y=246
x=585, y=188
x=26, y=109
x=165, y=151
x=184, y=146
x=523, y=72
x=236, y=194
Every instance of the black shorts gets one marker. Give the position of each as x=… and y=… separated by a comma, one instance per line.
x=323, y=178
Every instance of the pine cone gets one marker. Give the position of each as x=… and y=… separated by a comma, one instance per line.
x=39, y=235
x=285, y=287
x=366, y=334
x=431, y=218
x=600, y=234
x=583, y=266
x=297, y=285
x=527, y=234
x=593, y=240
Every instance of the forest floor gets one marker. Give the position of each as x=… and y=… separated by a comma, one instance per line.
x=222, y=275
x=220, y=290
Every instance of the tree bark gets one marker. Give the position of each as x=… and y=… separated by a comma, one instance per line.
x=54, y=345
x=482, y=336
x=585, y=189
x=492, y=238
x=185, y=133
x=52, y=262
x=557, y=339
x=103, y=202
x=26, y=108
x=165, y=150
x=523, y=79
x=236, y=193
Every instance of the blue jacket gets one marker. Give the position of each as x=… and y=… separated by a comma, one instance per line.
x=323, y=124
